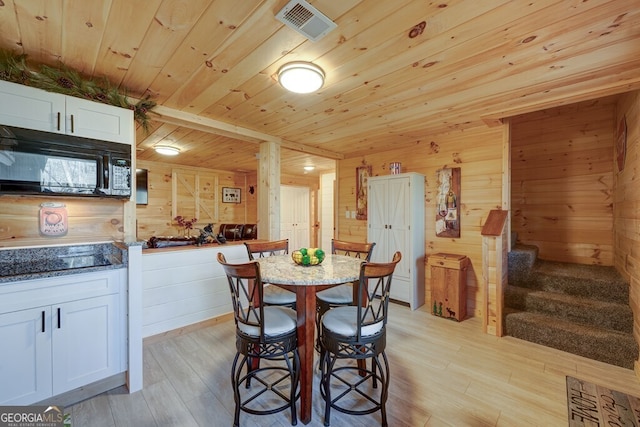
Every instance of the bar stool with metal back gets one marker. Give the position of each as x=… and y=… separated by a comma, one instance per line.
x=342, y=295
x=358, y=332
x=273, y=295
x=262, y=332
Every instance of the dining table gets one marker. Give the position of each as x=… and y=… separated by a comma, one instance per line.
x=305, y=281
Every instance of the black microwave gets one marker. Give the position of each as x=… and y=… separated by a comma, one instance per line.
x=36, y=162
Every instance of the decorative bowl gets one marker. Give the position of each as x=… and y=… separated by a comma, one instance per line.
x=308, y=257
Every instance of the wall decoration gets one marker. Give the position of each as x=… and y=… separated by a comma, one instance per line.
x=448, y=203
x=621, y=143
x=230, y=195
x=362, y=176
x=53, y=219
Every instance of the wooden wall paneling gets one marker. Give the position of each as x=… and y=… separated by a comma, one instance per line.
x=206, y=38
x=478, y=152
x=625, y=208
x=156, y=218
x=251, y=199
x=81, y=43
x=562, y=181
x=136, y=22
x=347, y=227
x=149, y=64
x=196, y=194
x=90, y=220
x=33, y=30
x=345, y=48
x=248, y=57
x=396, y=115
x=10, y=34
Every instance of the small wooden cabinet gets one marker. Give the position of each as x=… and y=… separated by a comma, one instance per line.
x=448, y=285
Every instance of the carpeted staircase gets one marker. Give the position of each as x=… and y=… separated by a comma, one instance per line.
x=580, y=309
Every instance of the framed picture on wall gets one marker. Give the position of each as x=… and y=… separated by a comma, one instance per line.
x=362, y=176
x=448, y=203
x=230, y=195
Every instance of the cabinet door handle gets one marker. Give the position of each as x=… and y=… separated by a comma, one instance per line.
x=389, y=226
x=72, y=127
x=58, y=120
x=42, y=320
x=58, y=317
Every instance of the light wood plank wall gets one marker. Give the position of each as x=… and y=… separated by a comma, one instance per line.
x=155, y=218
x=562, y=181
x=89, y=220
x=478, y=152
x=626, y=206
x=96, y=220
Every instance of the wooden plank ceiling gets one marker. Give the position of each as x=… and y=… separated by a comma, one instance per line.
x=397, y=71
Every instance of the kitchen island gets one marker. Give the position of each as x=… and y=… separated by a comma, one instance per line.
x=184, y=285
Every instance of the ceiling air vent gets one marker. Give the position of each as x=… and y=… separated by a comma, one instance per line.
x=305, y=19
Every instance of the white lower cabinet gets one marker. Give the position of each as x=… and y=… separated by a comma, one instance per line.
x=85, y=342
x=25, y=358
x=51, y=349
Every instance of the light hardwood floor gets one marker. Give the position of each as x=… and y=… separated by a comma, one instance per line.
x=443, y=373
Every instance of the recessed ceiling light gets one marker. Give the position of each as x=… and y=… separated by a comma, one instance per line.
x=309, y=168
x=301, y=77
x=167, y=150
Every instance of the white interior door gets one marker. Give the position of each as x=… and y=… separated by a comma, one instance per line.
x=294, y=216
x=327, y=184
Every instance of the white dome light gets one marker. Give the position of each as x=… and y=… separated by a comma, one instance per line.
x=301, y=77
x=167, y=150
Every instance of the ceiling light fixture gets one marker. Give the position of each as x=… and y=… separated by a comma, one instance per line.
x=167, y=150
x=309, y=168
x=301, y=77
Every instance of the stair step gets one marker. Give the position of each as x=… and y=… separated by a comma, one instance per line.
x=521, y=260
x=586, y=311
x=613, y=347
x=590, y=281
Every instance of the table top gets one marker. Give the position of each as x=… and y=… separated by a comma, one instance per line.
x=335, y=269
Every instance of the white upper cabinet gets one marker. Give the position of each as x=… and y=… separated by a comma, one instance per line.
x=31, y=108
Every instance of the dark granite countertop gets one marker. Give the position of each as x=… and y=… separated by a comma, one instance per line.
x=37, y=263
